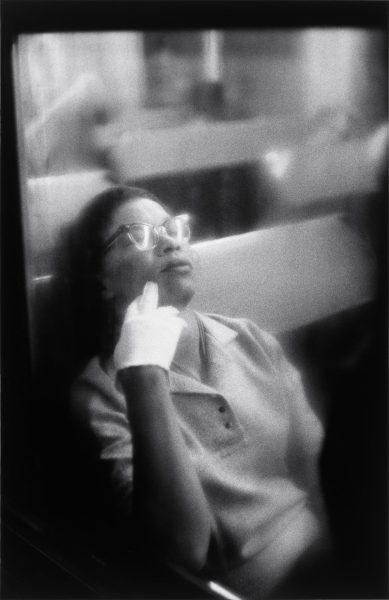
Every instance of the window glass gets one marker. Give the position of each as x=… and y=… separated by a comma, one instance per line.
x=241, y=129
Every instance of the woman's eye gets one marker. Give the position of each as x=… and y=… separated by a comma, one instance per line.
x=140, y=234
x=124, y=240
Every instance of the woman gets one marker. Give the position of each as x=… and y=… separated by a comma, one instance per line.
x=198, y=421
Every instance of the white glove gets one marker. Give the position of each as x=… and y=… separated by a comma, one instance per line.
x=149, y=334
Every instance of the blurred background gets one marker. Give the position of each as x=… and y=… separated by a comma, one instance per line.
x=241, y=127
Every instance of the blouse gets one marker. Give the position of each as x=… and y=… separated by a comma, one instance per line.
x=254, y=441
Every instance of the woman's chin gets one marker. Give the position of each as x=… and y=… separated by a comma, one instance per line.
x=178, y=294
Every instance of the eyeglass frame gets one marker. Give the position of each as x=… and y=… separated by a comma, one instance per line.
x=124, y=228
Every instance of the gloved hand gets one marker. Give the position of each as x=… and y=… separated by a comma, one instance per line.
x=149, y=334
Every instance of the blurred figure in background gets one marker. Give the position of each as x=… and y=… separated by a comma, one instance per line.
x=66, y=137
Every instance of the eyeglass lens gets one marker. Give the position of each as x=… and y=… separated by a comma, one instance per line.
x=177, y=228
x=145, y=236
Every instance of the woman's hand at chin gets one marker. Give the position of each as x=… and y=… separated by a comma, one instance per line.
x=149, y=333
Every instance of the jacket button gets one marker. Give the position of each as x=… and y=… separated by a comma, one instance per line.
x=222, y=409
x=228, y=425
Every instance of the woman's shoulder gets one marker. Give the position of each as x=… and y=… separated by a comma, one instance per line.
x=93, y=389
x=242, y=325
x=247, y=330
x=93, y=375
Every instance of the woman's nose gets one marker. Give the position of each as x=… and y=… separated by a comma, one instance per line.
x=166, y=243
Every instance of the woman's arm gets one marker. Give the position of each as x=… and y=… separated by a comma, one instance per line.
x=168, y=496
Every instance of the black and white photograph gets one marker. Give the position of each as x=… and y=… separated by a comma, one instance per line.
x=194, y=300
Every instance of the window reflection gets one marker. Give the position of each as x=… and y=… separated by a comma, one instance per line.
x=240, y=128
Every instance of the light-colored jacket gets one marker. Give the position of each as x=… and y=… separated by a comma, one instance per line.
x=254, y=441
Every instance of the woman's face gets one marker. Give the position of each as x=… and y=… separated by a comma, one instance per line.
x=125, y=269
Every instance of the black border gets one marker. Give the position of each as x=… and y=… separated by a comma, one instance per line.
x=33, y=16
x=30, y=16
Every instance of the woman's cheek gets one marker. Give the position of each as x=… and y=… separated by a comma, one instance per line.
x=134, y=276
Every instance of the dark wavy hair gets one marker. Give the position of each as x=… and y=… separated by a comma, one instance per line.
x=93, y=316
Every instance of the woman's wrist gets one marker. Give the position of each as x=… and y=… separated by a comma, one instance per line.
x=143, y=374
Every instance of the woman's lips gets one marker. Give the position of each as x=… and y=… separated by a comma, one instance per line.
x=177, y=267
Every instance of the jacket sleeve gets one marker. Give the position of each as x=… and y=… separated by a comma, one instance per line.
x=305, y=431
x=100, y=417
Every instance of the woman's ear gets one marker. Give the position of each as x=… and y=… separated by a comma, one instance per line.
x=105, y=288
x=106, y=293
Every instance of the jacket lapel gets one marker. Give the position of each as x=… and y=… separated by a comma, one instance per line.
x=182, y=384
x=218, y=337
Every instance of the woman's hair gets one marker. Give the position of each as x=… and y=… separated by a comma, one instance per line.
x=92, y=314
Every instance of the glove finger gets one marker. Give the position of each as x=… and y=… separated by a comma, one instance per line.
x=148, y=301
x=133, y=309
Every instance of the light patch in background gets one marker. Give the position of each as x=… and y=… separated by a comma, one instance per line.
x=278, y=162
x=331, y=59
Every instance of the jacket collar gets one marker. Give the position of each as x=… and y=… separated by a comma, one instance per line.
x=182, y=384
x=213, y=326
x=218, y=335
